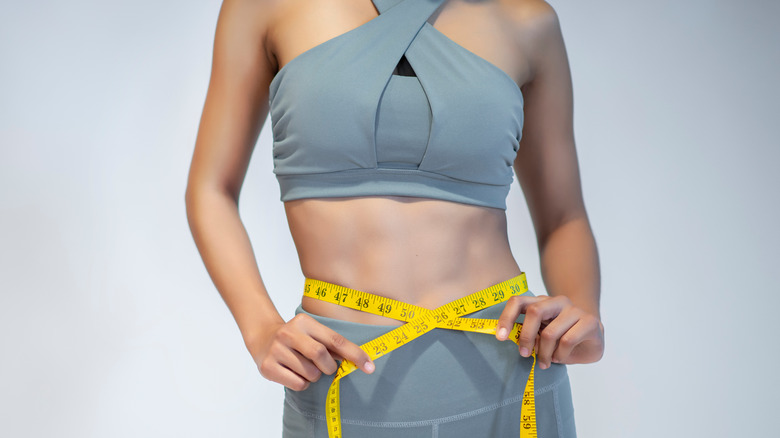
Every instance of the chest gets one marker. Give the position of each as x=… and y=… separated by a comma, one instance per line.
x=396, y=93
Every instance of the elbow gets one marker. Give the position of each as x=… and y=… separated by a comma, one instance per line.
x=190, y=195
x=575, y=218
x=194, y=196
x=201, y=198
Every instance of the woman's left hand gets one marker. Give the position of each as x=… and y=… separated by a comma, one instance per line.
x=559, y=331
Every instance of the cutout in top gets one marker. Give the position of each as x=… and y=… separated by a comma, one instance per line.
x=404, y=68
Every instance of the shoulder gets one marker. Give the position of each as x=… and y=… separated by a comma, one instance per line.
x=530, y=20
x=533, y=15
x=246, y=24
x=259, y=12
x=534, y=26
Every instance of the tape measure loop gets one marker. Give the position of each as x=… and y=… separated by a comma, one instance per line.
x=419, y=320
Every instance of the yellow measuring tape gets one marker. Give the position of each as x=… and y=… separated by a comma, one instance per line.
x=419, y=321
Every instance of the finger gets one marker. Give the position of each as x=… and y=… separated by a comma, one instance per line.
x=535, y=314
x=300, y=365
x=550, y=335
x=276, y=372
x=340, y=345
x=512, y=309
x=297, y=336
x=587, y=328
x=292, y=380
x=314, y=351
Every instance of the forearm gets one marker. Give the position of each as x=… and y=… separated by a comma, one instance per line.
x=570, y=264
x=227, y=254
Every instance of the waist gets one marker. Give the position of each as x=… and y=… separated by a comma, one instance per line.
x=466, y=374
x=429, y=293
x=420, y=251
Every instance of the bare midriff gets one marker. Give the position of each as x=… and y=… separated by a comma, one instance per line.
x=420, y=251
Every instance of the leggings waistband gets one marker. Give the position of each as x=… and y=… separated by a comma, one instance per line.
x=440, y=363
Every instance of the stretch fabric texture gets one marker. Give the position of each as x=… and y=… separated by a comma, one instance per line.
x=445, y=384
x=395, y=107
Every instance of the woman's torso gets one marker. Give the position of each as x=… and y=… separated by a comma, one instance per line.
x=422, y=251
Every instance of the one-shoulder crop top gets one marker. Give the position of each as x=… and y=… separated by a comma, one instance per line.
x=346, y=123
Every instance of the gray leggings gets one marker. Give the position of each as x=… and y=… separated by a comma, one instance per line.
x=447, y=384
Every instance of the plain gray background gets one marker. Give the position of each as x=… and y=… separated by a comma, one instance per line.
x=111, y=327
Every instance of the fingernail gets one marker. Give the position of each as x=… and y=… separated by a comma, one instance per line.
x=369, y=367
x=524, y=352
x=502, y=332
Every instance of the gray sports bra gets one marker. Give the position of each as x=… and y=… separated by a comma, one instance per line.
x=395, y=107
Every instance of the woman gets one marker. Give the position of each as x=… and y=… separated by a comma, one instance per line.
x=397, y=127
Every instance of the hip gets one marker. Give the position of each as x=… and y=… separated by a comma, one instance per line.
x=447, y=382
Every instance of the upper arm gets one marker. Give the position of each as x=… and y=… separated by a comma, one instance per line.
x=236, y=103
x=546, y=163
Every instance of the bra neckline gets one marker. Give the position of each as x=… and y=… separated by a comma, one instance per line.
x=441, y=35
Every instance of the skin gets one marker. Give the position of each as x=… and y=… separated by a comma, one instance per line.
x=422, y=251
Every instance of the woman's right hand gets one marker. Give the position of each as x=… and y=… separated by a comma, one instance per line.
x=297, y=352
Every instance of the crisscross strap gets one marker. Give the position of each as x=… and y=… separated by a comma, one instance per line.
x=419, y=321
x=324, y=106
